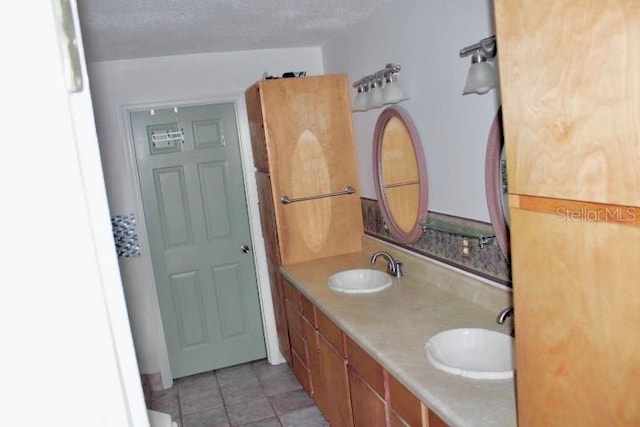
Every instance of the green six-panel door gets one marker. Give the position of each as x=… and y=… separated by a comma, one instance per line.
x=198, y=228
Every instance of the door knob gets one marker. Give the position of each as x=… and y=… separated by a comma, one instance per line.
x=245, y=248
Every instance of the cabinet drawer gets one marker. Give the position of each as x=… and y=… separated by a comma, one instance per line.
x=308, y=311
x=294, y=320
x=331, y=333
x=299, y=346
x=370, y=370
x=405, y=403
x=291, y=294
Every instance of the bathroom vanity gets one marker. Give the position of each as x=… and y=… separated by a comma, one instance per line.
x=361, y=356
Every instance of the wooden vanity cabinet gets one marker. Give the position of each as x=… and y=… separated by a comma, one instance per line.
x=366, y=381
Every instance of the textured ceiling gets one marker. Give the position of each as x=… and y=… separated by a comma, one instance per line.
x=123, y=29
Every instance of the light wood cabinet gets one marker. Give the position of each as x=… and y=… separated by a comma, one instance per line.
x=366, y=381
x=302, y=135
x=302, y=143
x=570, y=73
x=299, y=348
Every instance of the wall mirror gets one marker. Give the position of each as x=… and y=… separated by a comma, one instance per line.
x=496, y=183
x=400, y=174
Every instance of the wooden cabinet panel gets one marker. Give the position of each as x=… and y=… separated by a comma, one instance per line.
x=256, y=128
x=315, y=366
x=576, y=304
x=369, y=408
x=569, y=74
x=370, y=370
x=301, y=372
x=267, y=219
x=433, y=419
x=404, y=403
x=331, y=333
x=309, y=137
x=334, y=369
x=308, y=311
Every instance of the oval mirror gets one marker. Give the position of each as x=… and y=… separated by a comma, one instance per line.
x=400, y=174
x=496, y=183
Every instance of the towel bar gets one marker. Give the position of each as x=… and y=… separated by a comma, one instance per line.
x=285, y=200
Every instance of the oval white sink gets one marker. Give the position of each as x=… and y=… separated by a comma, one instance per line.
x=472, y=353
x=360, y=281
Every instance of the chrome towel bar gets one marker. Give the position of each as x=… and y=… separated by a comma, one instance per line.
x=285, y=200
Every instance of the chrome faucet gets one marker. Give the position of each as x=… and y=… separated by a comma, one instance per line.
x=394, y=267
x=503, y=316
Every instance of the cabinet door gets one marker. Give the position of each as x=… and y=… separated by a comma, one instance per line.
x=404, y=404
x=576, y=299
x=369, y=408
x=334, y=369
x=366, y=382
x=312, y=152
x=569, y=76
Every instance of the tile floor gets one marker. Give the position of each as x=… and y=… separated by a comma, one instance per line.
x=253, y=394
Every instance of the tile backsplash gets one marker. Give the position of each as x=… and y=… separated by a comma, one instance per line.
x=487, y=261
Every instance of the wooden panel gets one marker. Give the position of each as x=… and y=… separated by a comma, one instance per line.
x=291, y=294
x=256, y=128
x=572, y=211
x=570, y=73
x=314, y=365
x=299, y=346
x=370, y=370
x=308, y=311
x=294, y=320
x=433, y=420
x=336, y=380
x=396, y=421
x=331, y=333
x=312, y=152
x=576, y=304
x=405, y=403
x=369, y=408
x=301, y=372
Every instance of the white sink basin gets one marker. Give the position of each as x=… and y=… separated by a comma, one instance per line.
x=360, y=281
x=473, y=353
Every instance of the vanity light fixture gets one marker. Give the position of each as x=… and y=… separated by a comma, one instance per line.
x=482, y=76
x=378, y=89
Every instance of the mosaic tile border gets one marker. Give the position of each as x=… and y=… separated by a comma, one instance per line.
x=487, y=262
x=125, y=236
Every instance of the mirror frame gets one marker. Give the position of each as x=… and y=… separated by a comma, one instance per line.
x=406, y=237
x=493, y=183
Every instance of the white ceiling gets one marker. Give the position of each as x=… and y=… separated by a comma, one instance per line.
x=124, y=29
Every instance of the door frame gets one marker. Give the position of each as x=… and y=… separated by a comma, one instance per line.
x=259, y=253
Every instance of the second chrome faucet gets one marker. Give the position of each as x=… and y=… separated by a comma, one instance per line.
x=394, y=267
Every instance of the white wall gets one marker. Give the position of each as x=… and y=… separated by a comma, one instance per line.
x=63, y=316
x=425, y=37
x=118, y=84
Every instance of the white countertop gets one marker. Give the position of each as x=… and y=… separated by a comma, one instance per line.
x=393, y=326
